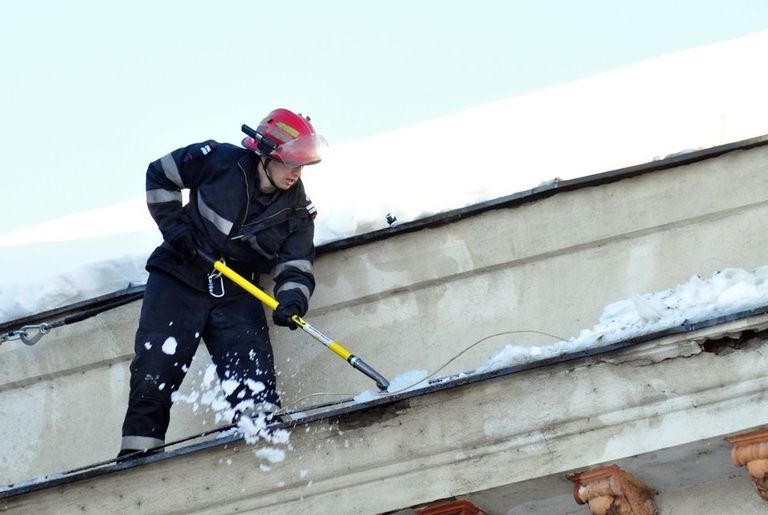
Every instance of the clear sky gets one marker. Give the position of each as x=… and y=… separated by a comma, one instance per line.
x=91, y=91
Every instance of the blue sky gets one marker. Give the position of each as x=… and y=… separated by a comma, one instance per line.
x=92, y=91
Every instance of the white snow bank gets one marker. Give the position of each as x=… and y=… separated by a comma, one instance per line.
x=728, y=291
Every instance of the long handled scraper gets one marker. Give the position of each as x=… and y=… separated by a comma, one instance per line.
x=272, y=304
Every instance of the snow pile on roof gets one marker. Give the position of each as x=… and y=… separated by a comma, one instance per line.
x=728, y=291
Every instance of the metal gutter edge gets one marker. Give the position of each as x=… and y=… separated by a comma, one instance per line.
x=132, y=292
x=83, y=473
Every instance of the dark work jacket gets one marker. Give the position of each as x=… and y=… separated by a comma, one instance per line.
x=228, y=220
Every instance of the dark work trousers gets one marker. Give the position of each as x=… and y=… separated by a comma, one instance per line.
x=173, y=318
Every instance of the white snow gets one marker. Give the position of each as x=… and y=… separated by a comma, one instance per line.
x=728, y=291
x=408, y=380
x=210, y=375
x=255, y=386
x=211, y=394
x=273, y=454
x=229, y=386
x=169, y=345
x=689, y=100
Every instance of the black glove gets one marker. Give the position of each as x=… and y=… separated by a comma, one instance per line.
x=185, y=244
x=282, y=315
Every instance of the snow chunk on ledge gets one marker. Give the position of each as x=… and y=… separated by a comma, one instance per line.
x=728, y=291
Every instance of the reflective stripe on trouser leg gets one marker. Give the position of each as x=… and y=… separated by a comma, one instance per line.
x=140, y=443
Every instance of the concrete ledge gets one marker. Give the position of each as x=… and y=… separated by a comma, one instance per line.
x=495, y=432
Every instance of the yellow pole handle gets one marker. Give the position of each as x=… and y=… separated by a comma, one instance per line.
x=245, y=284
x=272, y=304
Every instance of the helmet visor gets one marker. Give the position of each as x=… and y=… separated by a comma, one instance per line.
x=304, y=150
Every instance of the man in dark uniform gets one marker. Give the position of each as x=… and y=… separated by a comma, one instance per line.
x=248, y=207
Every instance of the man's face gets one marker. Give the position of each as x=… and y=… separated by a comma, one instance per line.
x=283, y=175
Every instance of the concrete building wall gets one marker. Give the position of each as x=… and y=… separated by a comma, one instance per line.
x=416, y=299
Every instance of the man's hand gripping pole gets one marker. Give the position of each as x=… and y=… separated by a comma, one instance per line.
x=271, y=303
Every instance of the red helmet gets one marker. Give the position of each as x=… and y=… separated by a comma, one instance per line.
x=286, y=137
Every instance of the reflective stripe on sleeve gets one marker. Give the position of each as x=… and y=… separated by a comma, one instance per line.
x=159, y=196
x=221, y=223
x=171, y=170
x=303, y=265
x=293, y=286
